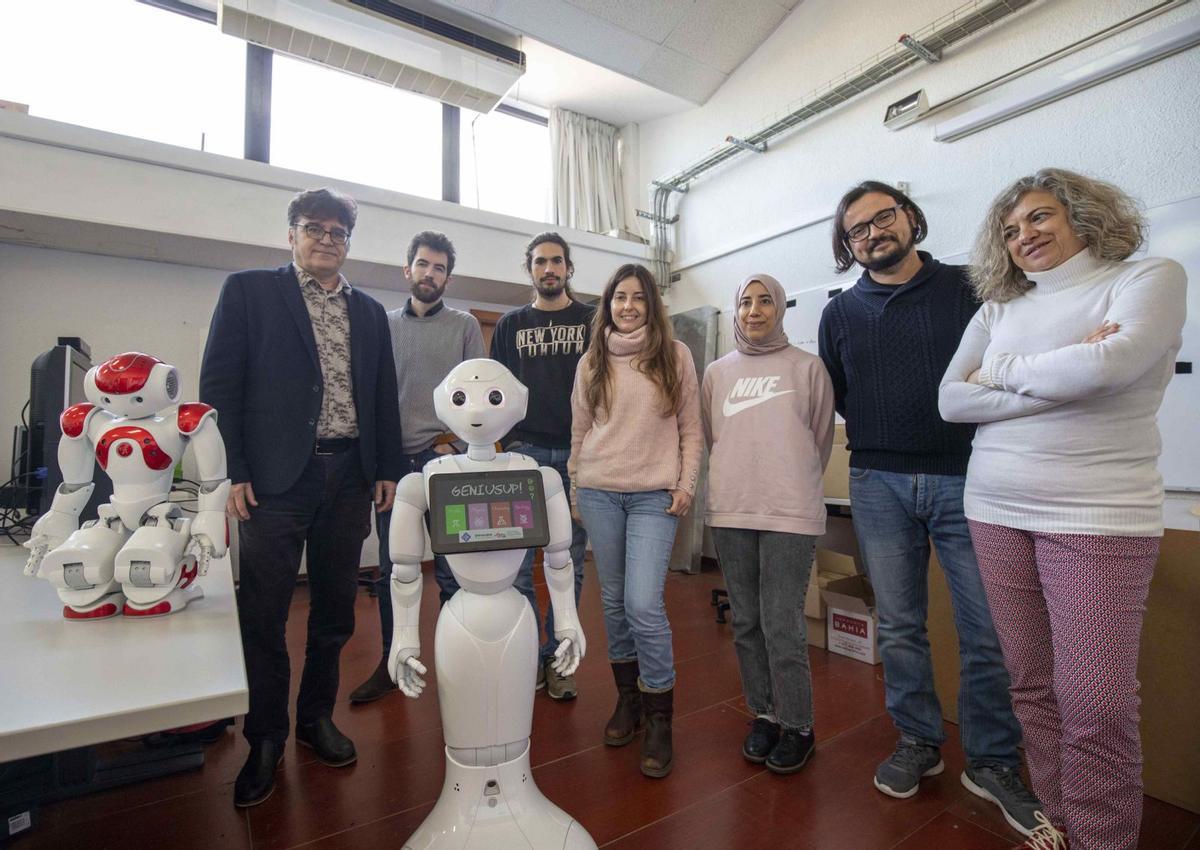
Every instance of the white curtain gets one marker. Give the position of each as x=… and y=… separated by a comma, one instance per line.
x=585, y=181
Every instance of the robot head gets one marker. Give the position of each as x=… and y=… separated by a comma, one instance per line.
x=133, y=385
x=480, y=401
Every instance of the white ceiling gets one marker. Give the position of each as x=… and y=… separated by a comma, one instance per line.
x=555, y=78
x=682, y=48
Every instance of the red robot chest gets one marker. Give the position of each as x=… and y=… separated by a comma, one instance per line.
x=124, y=438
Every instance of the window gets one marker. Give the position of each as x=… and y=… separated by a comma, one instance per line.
x=505, y=165
x=127, y=68
x=330, y=123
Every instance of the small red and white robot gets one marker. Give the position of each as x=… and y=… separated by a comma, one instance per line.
x=142, y=555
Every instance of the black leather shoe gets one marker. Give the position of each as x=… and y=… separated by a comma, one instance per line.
x=762, y=739
x=257, y=778
x=331, y=746
x=792, y=751
x=380, y=684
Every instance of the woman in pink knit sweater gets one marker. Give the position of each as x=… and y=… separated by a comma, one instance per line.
x=635, y=455
x=768, y=418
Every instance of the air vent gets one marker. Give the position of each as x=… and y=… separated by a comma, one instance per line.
x=384, y=42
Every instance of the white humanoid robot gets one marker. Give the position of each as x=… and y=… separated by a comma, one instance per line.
x=485, y=510
x=139, y=557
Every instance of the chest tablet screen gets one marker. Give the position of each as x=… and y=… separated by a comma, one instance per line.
x=487, y=511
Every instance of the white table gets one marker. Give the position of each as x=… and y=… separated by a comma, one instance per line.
x=72, y=684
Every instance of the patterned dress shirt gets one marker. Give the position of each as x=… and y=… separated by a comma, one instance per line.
x=331, y=326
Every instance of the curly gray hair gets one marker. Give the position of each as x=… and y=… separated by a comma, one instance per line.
x=1103, y=216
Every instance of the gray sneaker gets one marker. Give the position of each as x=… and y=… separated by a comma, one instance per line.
x=902, y=772
x=1003, y=786
x=558, y=687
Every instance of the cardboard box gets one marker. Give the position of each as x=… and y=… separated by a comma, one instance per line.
x=814, y=604
x=851, y=624
x=836, y=563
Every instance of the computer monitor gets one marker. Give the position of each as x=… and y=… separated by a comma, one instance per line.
x=55, y=383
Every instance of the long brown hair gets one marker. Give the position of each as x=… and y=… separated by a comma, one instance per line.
x=658, y=360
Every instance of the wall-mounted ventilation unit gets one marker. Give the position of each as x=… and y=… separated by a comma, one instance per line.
x=382, y=41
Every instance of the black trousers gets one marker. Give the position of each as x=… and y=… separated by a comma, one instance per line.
x=328, y=509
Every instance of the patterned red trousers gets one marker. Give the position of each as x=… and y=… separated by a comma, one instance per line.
x=1068, y=611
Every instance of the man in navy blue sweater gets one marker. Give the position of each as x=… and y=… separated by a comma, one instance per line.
x=886, y=342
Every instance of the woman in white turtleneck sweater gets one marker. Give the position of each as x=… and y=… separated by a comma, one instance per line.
x=1064, y=367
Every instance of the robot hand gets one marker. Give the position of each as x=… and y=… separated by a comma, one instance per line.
x=48, y=533
x=209, y=535
x=571, y=648
x=406, y=671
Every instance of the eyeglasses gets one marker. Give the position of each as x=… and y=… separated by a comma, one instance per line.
x=316, y=233
x=882, y=219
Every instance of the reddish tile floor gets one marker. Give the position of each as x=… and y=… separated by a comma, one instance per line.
x=712, y=799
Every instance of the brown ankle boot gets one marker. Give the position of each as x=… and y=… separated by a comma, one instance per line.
x=626, y=720
x=656, y=746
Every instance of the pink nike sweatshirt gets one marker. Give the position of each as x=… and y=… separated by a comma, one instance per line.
x=768, y=420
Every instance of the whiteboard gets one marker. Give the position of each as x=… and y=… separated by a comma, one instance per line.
x=1174, y=233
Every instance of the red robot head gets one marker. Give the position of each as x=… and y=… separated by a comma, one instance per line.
x=132, y=384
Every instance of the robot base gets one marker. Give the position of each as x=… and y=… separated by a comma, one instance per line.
x=496, y=808
x=103, y=608
x=176, y=600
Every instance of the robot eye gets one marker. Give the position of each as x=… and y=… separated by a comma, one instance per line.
x=107, y=400
x=459, y=398
x=496, y=397
x=138, y=399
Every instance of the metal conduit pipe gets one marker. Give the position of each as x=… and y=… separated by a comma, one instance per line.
x=957, y=25
x=963, y=22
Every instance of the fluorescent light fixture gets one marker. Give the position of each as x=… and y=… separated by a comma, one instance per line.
x=1151, y=48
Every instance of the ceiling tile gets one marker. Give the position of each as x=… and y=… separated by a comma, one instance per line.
x=721, y=34
x=487, y=8
x=577, y=32
x=654, y=20
x=680, y=75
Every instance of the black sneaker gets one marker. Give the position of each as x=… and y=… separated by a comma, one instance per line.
x=1004, y=787
x=763, y=737
x=900, y=775
x=792, y=751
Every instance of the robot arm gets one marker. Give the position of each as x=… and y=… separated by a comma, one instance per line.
x=77, y=460
x=406, y=543
x=198, y=423
x=560, y=576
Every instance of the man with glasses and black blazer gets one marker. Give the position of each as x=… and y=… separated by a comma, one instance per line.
x=299, y=365
x=886, y=342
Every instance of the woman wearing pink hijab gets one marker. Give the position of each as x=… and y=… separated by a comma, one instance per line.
x=767, y=410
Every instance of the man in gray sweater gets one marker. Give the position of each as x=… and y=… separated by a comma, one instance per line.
x=429, y=338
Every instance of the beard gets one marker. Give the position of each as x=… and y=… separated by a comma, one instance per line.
x=891, y=257
x=427, y=292
x=549, y=286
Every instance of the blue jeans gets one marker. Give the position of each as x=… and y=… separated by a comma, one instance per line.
x=632, y=536
x=895, y=516
x=447, y=585
x=556, y=459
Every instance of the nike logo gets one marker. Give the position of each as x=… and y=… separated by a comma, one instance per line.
x=754, y=391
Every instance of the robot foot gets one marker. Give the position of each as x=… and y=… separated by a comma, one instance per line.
x=496, y=807
x=106, y=606
x=175, y=601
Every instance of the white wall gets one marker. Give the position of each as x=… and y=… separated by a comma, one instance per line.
x=125, y=243
x=116, y=304
x=1138, y=130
